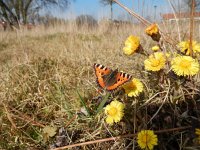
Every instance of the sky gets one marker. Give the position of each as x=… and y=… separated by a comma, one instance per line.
x=146, y=8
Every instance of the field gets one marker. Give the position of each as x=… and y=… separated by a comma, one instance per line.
x=47, y=74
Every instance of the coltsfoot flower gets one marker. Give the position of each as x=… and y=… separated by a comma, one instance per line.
x=153, y=31
x=146, y=139
x=197, y=132
x=133, y=88
x=185, y=47
x=184, y=66
x=168, y=55
x=155, y=48
x=114, y=112
x=132, y=44
x=155, y=62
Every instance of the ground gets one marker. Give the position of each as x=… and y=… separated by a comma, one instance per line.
x=46, y=72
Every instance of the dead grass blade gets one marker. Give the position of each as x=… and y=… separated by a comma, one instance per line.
x=26, y=118
x=164, y=101
x=175, y=16
x=9, y=116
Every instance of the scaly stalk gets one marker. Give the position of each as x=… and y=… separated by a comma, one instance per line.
x=192, y=10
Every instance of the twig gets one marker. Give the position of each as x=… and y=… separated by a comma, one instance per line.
x=70, y=121
x=144, y=21
x=118, y=137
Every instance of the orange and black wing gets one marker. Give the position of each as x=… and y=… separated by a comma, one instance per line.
x=121, y=78
x=101, y=71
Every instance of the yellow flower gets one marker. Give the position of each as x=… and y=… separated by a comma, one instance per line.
x=114, y=112
x=132, y=44
x=167, y=55
x=153, y=32
x=197, y=132
x=155, y=48
x=133, y=88
x=152, y=29
x=185, y=47
x=184, y=65
x=155, y=62
x=146, y=139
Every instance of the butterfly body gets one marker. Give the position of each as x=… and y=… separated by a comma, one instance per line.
x=109, y=79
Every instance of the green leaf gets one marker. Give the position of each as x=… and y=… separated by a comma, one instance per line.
x=100, y=107
x=83, y=103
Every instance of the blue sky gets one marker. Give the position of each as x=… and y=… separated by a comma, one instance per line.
x=97, y=10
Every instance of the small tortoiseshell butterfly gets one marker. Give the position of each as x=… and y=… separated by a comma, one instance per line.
x=109, y=79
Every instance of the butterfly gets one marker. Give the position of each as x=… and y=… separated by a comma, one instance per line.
x=109, y=79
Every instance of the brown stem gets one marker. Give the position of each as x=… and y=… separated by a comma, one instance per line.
x=70, y=121
x=144, y=21
x=192, y=10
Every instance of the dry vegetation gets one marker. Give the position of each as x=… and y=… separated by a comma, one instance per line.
x=42, y=70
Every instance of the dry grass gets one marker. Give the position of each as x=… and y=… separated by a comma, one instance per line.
x=41, y=71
